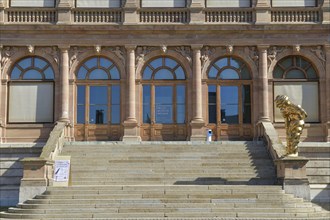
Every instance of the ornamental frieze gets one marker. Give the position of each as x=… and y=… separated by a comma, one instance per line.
x=185, y=52
x=51, y=51
x=206, y=54
x=318, y=51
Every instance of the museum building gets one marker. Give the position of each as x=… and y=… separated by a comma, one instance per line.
x=161, y=70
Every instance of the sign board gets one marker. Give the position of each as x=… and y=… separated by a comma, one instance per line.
x=62, y=171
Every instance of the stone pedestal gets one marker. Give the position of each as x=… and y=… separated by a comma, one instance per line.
x=37, y=174
x=198, y=131
x=326, y=12
x=263, y=14
x=64, y=12
x=196, y=12
x=291, y=173
x=130, y=10
x=131, y=131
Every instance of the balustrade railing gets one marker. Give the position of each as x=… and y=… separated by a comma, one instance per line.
x=32, y=15
x=164, y=16
x=97, y=16
x=295, y=16
x=228, y=16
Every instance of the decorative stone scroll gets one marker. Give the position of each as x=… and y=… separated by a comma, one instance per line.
x=52, y=51
x=6, y=53
x=74, y=53
x=319, y=53
x=119, y=52
x=294, y=117
x=184, y=51
x=252, y=52
x=141, y=52
x=207, y=52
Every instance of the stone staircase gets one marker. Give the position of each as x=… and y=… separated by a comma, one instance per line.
x=168, y=180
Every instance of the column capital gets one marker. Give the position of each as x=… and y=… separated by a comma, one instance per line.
x=197, y=4
x=196, y=46
x=64, y=4
x=130, y=46
x=131, y=4
x=263, y=47
x=63, y=47
x=263, y=4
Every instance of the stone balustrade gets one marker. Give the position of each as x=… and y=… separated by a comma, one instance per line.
x=32, y=15
x=295, y=16
x=164, y=16
x=228, y=16
x=97, y=15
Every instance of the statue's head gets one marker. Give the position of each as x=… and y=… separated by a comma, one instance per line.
x=282, y=101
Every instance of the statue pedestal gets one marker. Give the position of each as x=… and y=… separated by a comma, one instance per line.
x=291, y=173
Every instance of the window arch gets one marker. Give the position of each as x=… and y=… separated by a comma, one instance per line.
x=297, y=78
x=31, y=91
x=229, y=92
x=98, y=92
x=164, y=92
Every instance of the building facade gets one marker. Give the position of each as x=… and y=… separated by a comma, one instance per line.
x=161, y=70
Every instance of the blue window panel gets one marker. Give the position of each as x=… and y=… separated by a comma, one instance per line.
x=81, y=90
x=115, y=114
x=114, y=73
x=81, y=94
x=82, y=73
x=49, y=73
x=170, y=63
x=180, y=94
x=156, y=63
x=164, y=106
x=213, y=73
x=229, y=74
x=181, y=114
x=180, y=73
x=146, y=104
x=222, y=63
x=163, y=74
x=98, y=95
x=235, y=63
x=147, y=73
x=115, y=95
x=246, y=98
x=39, y=63
x=32, y=74
x=91, y=63
x=229, y=104
x=212, y=100
x=25, y=63
x=295, y=74
x=105, y=63
x=98, y=74
x=98, y=114
x=245, y=73
x=81, y=114
x=15, y=74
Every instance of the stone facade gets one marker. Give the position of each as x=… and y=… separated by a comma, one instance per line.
x=194, y=36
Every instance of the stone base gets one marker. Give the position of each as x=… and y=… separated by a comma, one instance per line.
x=30, y=188
x=198, y=131
x=299, y=188
x=131, y=132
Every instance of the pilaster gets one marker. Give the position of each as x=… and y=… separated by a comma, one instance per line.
x=196, y=11
x=197, y=123
x=1, y=48
x=262, y=12
x=326, y=12
x=130, y=11
x=64, y=72
x=131, y=130
x=327, y=93
x=2, y=11
x=263, y=83
x=64, y=12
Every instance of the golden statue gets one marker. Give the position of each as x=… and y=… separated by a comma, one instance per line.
x=294, y=117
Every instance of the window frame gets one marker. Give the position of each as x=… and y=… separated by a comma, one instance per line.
x=27, y=6
x=300, y=6
x=150, y=7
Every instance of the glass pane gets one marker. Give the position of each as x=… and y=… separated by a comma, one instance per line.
x=295, y=74
x=91, y=63
x=147, y=73
x=163, y=74
x=212, y=97
x=246, y=98
x=170, y=63
x=15, y=74
x=278, y=73
x=180, y=73
x=245, y=73
x=311, y=73
x=98, y=74
x=81, y=114
x=98, y=114
x=49, y=74
x=105, y=63
x=222, y=63
x=115, y=114
x=98, y=95
x=235, y=63
x=82, y=73
x=229, y=74
x=146, y=104
x=286, y=63
x=115, y=95
x=81, y=91
x=114, y=73
x=181, y=114
x=300, y=62
x=25, y=63
x=213, y=73
x=164, y=107
x=180, y=94
x=39, y=63
x=32, y=74
x=157, y=63
x=229, y=104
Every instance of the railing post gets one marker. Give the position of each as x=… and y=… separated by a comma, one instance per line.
x=196, y=12
x=262, y=12
x=64, y=12
x=130, y=12
x=326, y=12
x=2, y=11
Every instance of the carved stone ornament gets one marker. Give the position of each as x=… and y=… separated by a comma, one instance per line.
x=296, y=48
x=294, y=117
x=98, y=48
x=141, y=52
x=163, y=49
x=74, y=53
x=184, y=51
x=207, y=52
x=252, y=52
x=119, y=52
x=52, y=51
x=6, y=53
x=230, y=49
x=273, y=53
x=30, y=48
x=318, y=51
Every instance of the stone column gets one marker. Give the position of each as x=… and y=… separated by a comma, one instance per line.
x=197, y=124
x=263, y=82
x=1, y=48
x=64, y=72
x=131, y=131
x=327, y=92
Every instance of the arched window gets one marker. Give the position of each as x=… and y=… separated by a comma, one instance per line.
x=163, y=3
x=296, y=77
x=31, y=91
x=294, y=3
x=32, y=3
x=228, y=3
x=98, y=92
x=164, y=92
x=229, y=92
x=98, y=4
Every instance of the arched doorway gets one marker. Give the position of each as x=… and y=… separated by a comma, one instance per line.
x=163, y=100
x=230, y=99
x=98, y=103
